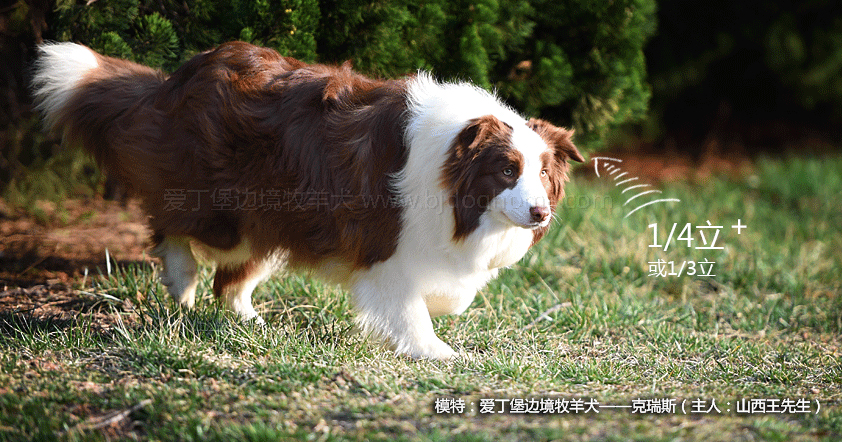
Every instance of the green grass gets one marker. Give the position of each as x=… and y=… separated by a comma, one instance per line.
x=578, y=318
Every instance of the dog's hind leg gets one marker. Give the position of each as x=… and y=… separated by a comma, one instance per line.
x=234, y=284
x=179, y=270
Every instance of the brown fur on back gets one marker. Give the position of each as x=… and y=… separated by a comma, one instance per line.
x=241, y=141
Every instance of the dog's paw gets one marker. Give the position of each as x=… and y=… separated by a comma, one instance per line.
x=182, y=290
x=250, y=315
x=433, y=349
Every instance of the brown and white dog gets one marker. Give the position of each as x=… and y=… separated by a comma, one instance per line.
x=410, y=193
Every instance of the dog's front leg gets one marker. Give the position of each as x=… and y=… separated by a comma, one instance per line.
x=390, y=310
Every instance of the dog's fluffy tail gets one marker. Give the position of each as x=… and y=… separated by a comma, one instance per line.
x=59, y=69
x=95, y=100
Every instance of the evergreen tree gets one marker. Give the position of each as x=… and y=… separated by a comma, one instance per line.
x=164, y=33
x=485, y=30
x=583, y=64
x=578, y=64
x=385, y=38
x=287, y=26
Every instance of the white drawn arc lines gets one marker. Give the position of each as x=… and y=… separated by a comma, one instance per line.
x=635, y=187
x=596, y=162
x=641, y=194
x=652, y=202
x=613, y=170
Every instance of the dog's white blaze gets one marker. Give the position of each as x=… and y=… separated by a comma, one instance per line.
x=529, y=191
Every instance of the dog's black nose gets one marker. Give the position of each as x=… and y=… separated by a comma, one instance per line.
x=539, y=213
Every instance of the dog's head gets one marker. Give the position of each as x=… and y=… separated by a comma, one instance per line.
x=514, y=173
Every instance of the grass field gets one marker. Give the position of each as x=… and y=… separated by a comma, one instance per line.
x=753, y=352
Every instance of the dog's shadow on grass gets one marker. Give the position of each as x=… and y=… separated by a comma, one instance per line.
x=40, y=318
x=42, y=297
x=19, y=325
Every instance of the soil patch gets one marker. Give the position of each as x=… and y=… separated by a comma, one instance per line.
x=47, y=251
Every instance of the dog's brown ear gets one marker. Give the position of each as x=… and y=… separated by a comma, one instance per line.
x=559, y=138
x=479, y=131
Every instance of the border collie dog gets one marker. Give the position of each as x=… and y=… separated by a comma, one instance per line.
x=409, y=193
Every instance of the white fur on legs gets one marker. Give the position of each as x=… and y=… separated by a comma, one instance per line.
x=237, y=296
x=392, y=311
x=179, y=270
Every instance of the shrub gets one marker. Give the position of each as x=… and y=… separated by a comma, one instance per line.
x=579, y=64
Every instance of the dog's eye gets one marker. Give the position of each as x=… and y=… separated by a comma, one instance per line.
x=508, y=171
x=543, y=173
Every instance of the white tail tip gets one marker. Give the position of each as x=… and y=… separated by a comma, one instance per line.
x=59, y=69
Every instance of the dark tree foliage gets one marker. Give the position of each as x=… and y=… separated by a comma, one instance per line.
x=583, y=64
x=752, y=66
x=164, y=33
x=577, y=63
